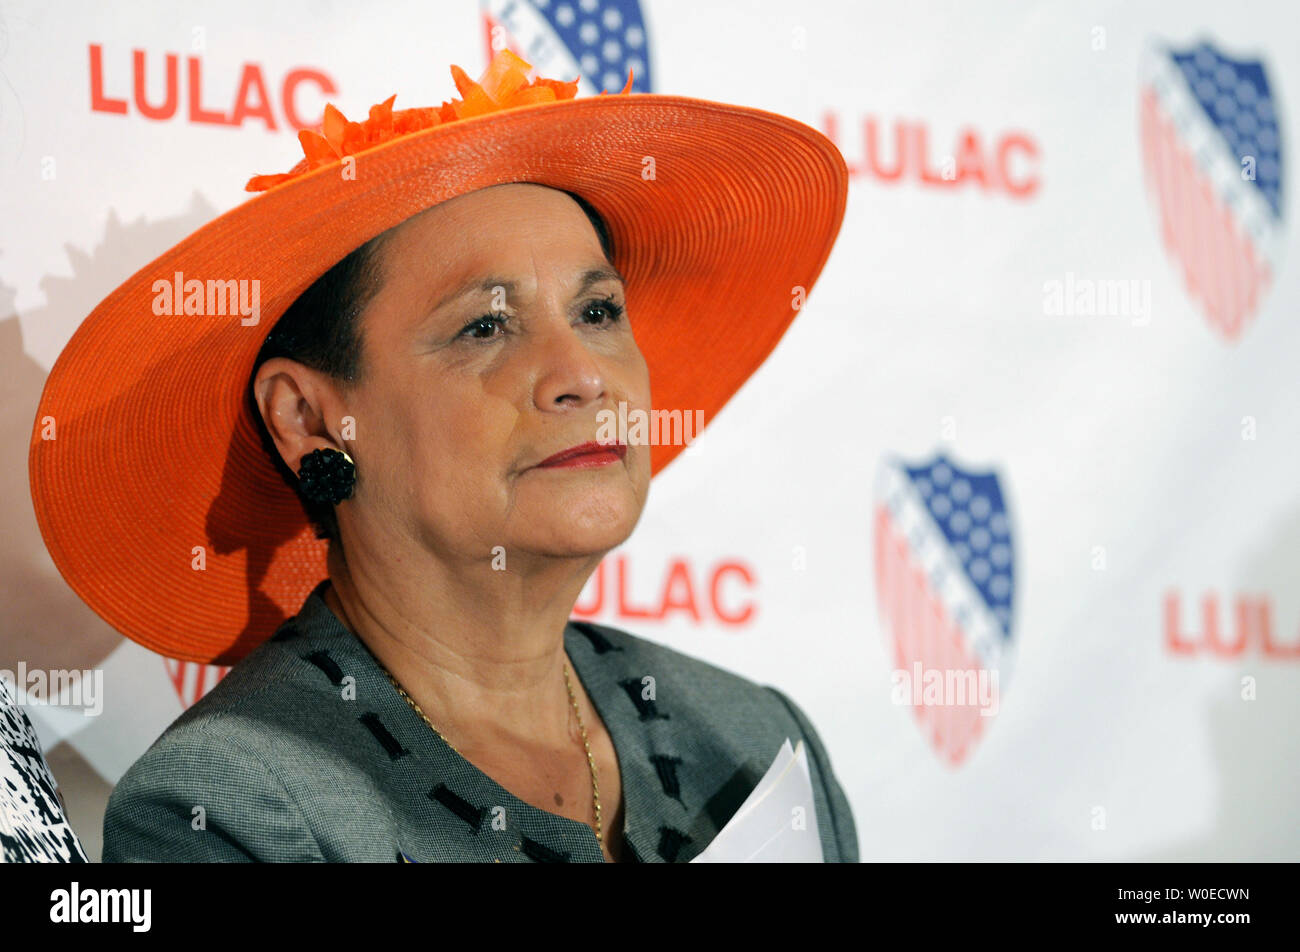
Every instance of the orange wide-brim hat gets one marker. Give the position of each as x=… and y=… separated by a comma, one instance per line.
x=153, y=491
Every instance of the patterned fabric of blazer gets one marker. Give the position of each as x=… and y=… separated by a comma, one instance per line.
x=304, y=752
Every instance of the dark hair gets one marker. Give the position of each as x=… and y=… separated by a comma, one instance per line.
x=321, y=330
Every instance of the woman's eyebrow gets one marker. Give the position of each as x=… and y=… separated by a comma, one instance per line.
x=596, y=275
x=590, y=277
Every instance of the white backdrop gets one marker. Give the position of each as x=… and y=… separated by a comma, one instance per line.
x=1145, y=458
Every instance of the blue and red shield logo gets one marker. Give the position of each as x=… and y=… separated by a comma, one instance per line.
x=1212, y=155
x=945, y=586
x=598, y=40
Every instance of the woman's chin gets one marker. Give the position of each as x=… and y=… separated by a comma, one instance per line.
x=596, y=523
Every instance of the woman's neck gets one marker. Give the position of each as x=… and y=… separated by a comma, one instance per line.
x=481, y=651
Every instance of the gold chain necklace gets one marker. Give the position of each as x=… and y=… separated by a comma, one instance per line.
x=591, y=761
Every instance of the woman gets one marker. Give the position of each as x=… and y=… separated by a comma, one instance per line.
x=454, y=306
x=34, y=825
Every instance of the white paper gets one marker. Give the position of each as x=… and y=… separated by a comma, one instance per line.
x=777, y=823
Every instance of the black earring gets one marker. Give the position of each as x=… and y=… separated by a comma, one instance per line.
x=327, y=476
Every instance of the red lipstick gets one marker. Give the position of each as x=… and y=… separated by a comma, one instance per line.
x=585, y=456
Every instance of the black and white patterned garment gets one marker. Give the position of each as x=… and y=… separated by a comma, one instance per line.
x=33, y=827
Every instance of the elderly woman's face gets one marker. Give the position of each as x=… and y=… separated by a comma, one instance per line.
x=494, y=342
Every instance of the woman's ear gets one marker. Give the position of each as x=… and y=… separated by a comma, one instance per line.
x=295, y=402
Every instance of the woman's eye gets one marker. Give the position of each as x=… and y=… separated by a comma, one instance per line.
x=488, y=322
x=603, y=312
x=606, y=310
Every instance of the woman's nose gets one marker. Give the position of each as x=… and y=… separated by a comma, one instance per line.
x=569, y=374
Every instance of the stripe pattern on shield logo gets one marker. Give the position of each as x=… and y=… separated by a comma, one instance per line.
x=945, y=581
x=193, y=680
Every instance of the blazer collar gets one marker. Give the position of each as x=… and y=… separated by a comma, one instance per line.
x=643, y=743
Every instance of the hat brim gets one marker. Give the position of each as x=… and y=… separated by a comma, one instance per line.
x=155, y=497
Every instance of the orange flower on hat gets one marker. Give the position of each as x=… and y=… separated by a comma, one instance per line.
x=503, y=85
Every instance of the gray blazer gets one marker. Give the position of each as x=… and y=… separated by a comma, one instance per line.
x=304, y=752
